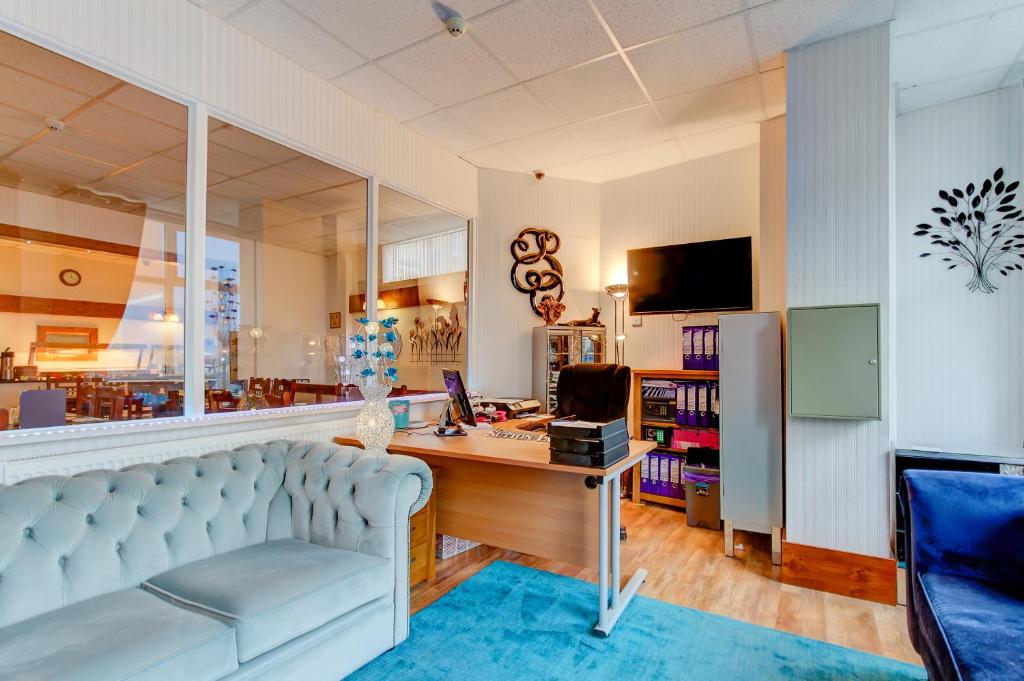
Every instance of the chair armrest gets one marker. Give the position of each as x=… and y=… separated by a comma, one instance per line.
x=966, y=524
x=355, y=500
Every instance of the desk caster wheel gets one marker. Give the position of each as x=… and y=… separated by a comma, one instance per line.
x=591, y=482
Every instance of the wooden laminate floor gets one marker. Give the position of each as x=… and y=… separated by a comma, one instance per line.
x=687, y=567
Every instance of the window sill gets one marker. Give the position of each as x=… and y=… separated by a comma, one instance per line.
x=263, y=417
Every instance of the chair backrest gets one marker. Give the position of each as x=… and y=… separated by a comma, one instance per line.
x=321, y=392
x=65, y=539
x=85, y=400
x=42, y=408
x=593, y=392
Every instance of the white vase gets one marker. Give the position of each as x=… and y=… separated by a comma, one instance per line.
x=375, y=423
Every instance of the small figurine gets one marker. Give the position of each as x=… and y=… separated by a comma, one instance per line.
x=593, y=320
x=550, y=309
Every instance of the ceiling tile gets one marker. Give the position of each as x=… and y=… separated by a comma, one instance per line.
x=719, y=106
x=955, y=50
x=493, y=157
x=631, y=128
x=447, y=70
x=589, y=90
x=590, y=170
x=153, y=106
x=781, y=25
x=773, y=87
x=36, y=96
x=379, y=89
x=220, y=8
x=250, y=144
x=635, y=21
x=444, y=129
x=104, y=120
x=324, y=172
x=547, y=148
x=376, y=28
x=919, y=15
x=504, y=115
x=280, y=28
x=535, y=37
x=721, y=141
x=696, y=58
x=930, y=94
x=644, y=159
x=43, y=63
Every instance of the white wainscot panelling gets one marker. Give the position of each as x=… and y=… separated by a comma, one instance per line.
x=957, y=355
x=838, y=114
x=116, y=445
x=502, y=317
x=709, y=198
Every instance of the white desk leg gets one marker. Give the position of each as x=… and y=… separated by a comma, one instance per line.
x=609, y=543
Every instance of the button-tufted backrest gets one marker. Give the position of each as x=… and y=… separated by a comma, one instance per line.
x=64, y=539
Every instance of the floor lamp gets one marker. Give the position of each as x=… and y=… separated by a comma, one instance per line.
x=618, y=293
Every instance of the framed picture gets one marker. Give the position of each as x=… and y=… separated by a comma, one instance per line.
x=66, y=343
x=335, y=320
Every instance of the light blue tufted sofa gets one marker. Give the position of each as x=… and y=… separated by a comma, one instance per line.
x=286, y=560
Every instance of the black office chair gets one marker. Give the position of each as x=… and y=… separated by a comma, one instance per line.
x=594, y=392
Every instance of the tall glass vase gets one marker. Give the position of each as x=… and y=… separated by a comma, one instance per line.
x=375, y=424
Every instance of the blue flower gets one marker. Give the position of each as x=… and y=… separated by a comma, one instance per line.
x=390, y=356
x=377, y=355
x=367, y=372
x=358, y=338
x=389, y=322
x=372, y=337
x=363, y=320
x=390, y=337
x=358, y=354
x=392, y=372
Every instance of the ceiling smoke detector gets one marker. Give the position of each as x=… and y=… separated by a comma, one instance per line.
x=54, y=124
x=456, y=26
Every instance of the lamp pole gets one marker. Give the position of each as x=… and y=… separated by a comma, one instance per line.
x=618, y=293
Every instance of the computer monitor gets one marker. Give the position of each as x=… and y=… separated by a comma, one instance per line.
x=459, y=409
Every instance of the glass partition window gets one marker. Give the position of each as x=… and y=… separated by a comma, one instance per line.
x=92, y=202
x=285, y=261
x=423, y=281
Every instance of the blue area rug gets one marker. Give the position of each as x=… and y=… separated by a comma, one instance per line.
x=514, y=622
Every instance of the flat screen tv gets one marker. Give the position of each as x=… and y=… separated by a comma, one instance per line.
x=694, y=277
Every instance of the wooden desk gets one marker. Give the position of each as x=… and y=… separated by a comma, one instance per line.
x=504, y=493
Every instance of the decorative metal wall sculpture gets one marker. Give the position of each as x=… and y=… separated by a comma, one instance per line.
x=442, y=341
x=540, y=269
x=974, y=231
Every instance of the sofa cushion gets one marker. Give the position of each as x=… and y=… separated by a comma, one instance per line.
x=274, y=592
x=127, y=634
x=973, y=628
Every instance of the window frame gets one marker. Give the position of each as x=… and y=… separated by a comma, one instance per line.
x=199, y=112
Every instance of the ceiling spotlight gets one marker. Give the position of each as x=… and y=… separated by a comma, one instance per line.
x=456, y=26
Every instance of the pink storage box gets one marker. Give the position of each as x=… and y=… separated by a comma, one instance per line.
x=684, y=438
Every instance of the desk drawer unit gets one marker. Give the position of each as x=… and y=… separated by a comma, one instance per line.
x=422, y=528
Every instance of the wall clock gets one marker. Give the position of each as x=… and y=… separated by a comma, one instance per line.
x=70, y=277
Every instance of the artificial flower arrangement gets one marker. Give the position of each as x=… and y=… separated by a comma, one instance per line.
x=374, y=350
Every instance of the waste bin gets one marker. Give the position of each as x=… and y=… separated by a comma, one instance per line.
x=703, y=478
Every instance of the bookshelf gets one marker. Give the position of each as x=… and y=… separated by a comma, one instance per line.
x=638, y=422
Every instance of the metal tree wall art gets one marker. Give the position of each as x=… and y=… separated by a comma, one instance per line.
x=541, y=271
x=979, y=229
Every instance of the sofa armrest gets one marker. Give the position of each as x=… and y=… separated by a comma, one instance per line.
x=966, y=524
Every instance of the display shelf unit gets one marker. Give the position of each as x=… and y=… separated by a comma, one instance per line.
x=638, y=422
x=556, y=347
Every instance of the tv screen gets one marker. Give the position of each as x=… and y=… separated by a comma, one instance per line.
x=700, y=276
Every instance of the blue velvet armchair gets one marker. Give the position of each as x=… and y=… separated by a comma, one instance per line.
x=965, y=573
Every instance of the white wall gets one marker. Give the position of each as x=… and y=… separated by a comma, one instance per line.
x=711, y=198
x=837, y=110
x=186, y=51
x=957, y=355
x=501, y=316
